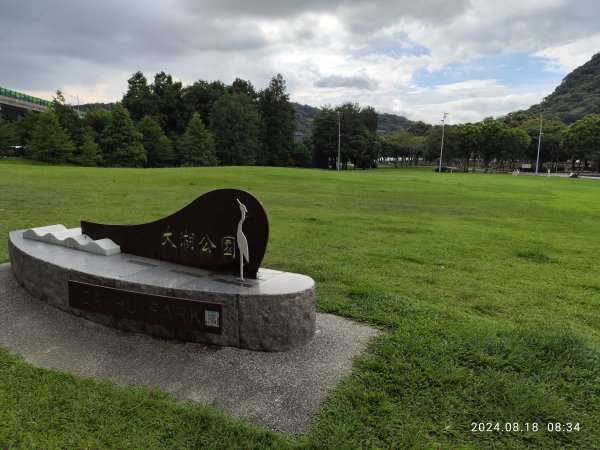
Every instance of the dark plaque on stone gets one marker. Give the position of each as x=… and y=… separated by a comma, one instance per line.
x=171, y=312
x=212, y=232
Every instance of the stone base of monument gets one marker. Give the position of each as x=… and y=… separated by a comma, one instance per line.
x=274, y=312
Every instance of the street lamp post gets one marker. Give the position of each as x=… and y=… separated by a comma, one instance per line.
x=339, y=162
x=442, y=146
x=537, y=163
x=75, y=97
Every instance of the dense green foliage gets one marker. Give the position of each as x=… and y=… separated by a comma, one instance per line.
x=49, y=141
x=582, y=139
x=235, y=125
x=251, y=127
x=197, y=147
x=90, y=151
x=349, y=130
x=8, y=137
x=139, y=99
x=159, y=148
x=121, y=143
x=277, y=117
x=485, y=288
x=577, y=95
x=386, y=123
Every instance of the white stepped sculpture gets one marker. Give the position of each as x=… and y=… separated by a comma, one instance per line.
x=72, y=238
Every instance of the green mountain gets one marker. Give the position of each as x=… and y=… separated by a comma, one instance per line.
x=304, y=115
x=577, y=96
x=388, y=123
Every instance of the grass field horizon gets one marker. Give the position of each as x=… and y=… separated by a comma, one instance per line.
x=486, y=288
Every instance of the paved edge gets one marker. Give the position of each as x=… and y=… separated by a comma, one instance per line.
x=280, y=391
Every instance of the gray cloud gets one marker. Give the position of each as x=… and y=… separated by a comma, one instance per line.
x=352, y=82
x=48, y=45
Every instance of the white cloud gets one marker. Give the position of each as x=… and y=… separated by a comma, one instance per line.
x=565, y=58
x=328, y=51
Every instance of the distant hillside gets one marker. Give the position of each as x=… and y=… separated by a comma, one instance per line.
x=388, y=123
x=304, y=115
x=577, y=96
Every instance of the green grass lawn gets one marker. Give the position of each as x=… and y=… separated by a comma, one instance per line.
x=487, y=289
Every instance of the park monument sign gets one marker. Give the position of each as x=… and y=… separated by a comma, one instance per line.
x=194, y=275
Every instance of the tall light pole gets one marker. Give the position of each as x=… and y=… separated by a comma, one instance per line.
x=339, y=162
x=75, y=97
x=442, y=146
x=537, y=163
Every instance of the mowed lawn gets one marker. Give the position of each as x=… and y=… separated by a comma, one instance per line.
x=486, y=288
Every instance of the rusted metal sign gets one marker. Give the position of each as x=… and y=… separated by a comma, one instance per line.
x=170, y=312
x=203, y=234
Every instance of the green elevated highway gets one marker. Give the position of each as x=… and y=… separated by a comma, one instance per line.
x=16, y=103
x=13, y=103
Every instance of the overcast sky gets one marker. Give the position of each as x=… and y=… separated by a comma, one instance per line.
x=416, y=58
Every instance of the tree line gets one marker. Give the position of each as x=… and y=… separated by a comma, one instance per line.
x=166, y=124
x=500, y=143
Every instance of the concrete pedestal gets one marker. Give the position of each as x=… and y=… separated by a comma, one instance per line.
x=275, y=312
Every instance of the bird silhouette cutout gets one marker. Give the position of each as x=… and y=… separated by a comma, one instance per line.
x=242, y=242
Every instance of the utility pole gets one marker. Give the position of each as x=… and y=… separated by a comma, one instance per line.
x=537, y=163
x=75, y=97
x=339, y=162
x=442, y=146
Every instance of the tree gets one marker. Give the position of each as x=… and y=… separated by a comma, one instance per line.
x=419, y=128
x=164, y=152
x=278, y=124
x=96, y=119
x=121, y=143
x=495, y=138
x=550, y=149
x=68, y=118
x=90, y=151
x=234, y=123
x=354, y=145
x=200, y=97
x=517, y=143
x=372, y=152
x=517, y=118
x=358, y=143
x=25, y=125
x=403, y=144
x=8, y=137
x=433, y=143
x=325, y=138
x=49, y=141
x=391, y=148
x=468, y=140
x=139, y=99
x=302, y=156
x=370, y=118
x=159, y=148
x=197, y=146
x=240, y=86
x=171, y=107
x=582, y=140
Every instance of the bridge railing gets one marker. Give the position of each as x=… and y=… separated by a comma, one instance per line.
x=24, y=97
